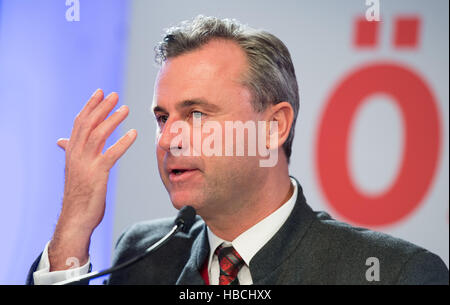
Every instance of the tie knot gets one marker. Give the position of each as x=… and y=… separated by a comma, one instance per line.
x=230, y=263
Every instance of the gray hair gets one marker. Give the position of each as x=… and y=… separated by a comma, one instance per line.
x=270, y=77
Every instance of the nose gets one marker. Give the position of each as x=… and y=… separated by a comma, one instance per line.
x=174, y=137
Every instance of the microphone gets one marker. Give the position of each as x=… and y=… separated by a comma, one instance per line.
x=185, y=218
x=184, y=221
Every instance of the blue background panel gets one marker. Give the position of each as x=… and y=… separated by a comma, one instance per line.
x=49, y=67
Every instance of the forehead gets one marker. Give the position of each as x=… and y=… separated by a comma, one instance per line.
x=212, y=72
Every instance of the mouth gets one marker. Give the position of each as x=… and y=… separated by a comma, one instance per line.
x=179, y=175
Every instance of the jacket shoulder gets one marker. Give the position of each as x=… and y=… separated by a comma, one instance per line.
x=161, y=266
x=141, y=235
x=351, y=254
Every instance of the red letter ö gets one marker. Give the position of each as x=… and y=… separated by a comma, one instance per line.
x=421, y=150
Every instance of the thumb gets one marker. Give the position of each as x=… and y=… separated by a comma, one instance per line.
x=62, y=143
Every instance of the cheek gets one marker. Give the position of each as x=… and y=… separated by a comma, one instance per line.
x=227, y=169
x=160, y=159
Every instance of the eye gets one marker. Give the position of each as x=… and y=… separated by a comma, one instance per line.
x=197, y=114
x=161, y=119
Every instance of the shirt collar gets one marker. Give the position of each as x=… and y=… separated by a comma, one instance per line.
x=251, y=241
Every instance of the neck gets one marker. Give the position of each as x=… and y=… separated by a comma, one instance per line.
x=275, y=190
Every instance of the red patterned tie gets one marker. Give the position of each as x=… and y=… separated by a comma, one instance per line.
x=230, y=262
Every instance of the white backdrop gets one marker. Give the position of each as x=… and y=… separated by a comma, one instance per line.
x=321, y=38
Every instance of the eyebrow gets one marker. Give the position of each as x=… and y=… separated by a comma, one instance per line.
x=189, y=103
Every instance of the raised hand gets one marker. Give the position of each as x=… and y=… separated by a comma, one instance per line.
x=86, y=177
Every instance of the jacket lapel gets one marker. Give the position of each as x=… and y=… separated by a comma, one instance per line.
x=199, y=253
x=269, y=265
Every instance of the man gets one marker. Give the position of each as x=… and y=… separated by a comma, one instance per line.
x=255, y=226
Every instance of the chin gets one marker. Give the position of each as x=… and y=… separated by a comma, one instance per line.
x=181, y=199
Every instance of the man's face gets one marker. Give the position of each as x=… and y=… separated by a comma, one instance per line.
x=204, y=83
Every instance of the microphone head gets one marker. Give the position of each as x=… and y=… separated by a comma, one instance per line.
x=185, y=218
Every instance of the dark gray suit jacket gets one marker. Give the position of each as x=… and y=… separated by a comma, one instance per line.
x=310, y=248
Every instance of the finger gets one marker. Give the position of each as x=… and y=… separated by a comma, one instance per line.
x=99, y=135
x=93, y=101
x=95, y=118
x=116, y=151
x=91, y=104
x=62, y=143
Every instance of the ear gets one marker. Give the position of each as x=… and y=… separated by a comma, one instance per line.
x=282, y=114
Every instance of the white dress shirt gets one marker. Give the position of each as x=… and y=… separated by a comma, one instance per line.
x=247, y=245
x=250, y=242
x=43, y=276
